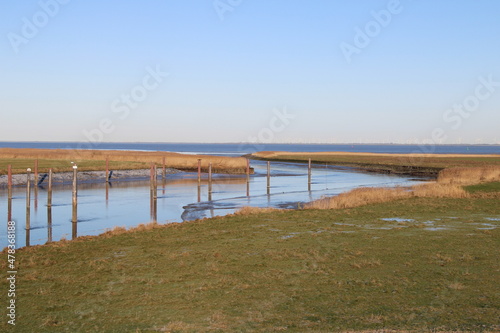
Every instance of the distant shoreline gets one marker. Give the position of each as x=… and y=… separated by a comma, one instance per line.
x=426, y=165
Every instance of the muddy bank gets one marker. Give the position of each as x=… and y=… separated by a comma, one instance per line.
x=87, y=176
x=403, y=170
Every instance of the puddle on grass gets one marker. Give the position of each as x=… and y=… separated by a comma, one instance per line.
x=397, y=219
x=487, y=226
x=436, y=228
x=291, y=235
x=492, y=218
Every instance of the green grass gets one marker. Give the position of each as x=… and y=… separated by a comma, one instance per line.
x=294, y=271
x=487, y=187
x=20, y=165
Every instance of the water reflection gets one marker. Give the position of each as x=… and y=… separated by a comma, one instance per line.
x=182, y=198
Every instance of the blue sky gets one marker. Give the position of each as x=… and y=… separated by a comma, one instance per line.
x=238, y=71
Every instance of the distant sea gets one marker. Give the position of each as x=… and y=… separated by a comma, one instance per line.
x=238, y=149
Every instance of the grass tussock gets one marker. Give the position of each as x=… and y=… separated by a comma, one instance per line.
x=247, y=210
x=437, y=190
x=469, y=176
x=359, y=197
x=449, y=185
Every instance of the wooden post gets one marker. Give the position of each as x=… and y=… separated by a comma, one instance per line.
x=309, y=174
x=35, y=181
x=164, y=173
x=248, y=177
x=74, y=218
x=199, y=170
x=35, y=184
x=199, y=193
x=210, y=175
x=49, y=191
x=107, y=169
x=49, y=223
x=151, y=177
x=49, y=208
x=248, y=170
x=155, y=183
x=268, y=177
x=9, y=181
x=210, y=181
x=28, y=199
x=155, y=196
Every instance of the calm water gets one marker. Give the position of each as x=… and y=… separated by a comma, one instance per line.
x=102, y=207
x=127, y=203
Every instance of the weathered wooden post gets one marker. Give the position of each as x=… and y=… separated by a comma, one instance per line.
x=35, y=184
x=164, y=171
x=248, y=177
x=49, y=190
x=155, y=195
x=199, y=192
x=309, y=174
x=9, y=195
x=9, y=181
x=210, y=181
x=35, y=181
x=28, y=203
x=107, y=169
x=248, y=170
x=268, y=177
x=74, y=218
x=155, y=183
x=151, y=176
x=199, y=170
x=49, y=208
x=49, y=223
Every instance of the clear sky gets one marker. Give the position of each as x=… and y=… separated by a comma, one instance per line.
x=331, y=71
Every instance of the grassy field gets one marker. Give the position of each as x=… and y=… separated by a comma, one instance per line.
x=88, y=160
x=415, y=164
x=416, y=264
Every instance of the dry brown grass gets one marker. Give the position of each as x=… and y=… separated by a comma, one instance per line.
x=449, y=185
x=247, y=210
x=173, y=160
x=469, y=176
x=437, y=190
x=360, y=197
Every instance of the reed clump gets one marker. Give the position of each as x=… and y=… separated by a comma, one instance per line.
x=469, y=176
x=449, y=184
x=359, y=197
x=247, y=210
x=437, y=190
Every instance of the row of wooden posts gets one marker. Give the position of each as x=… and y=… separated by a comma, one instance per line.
x=153, y=191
